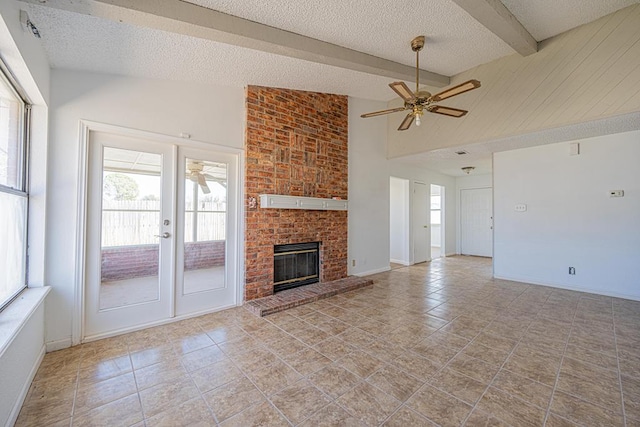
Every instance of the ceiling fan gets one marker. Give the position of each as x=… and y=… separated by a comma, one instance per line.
x=196, y=175
x=419, y=101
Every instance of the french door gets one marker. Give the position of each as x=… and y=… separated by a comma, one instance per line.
x=160, y=240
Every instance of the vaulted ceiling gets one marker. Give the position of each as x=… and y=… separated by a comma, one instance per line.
x=89, y=35
x=351, y=47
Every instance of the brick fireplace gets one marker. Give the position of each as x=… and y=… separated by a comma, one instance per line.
x=296, y=144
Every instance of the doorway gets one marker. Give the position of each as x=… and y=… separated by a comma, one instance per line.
x=437, y=221
x=476, y=222
x=160, y=240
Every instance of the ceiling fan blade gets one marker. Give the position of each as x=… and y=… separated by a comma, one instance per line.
x=202, y=182
x=406, y=123
x=447, y=111
x=456, y=90
x=403, y=90
x=379, y=113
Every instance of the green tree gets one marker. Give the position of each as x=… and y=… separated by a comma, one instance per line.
x=118, y=186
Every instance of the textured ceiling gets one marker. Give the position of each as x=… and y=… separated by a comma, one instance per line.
x=81, y=42
x=455, y=42
x=548, y=18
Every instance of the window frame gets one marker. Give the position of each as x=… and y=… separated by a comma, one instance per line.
x=23, y=191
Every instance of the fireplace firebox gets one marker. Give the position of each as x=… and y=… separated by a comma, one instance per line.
x=295, y=265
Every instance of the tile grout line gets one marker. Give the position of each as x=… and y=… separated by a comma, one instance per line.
x=245, y=374
x=503, y=365
x=361, y=380
x=303, y=377
x=75, y=393
x=564, y=352
x=133, y=371
x=615, y=340
x=436, y=373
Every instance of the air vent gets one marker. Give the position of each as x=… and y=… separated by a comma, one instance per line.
x=461, y=152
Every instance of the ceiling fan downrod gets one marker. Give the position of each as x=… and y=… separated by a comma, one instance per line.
x=416, y=45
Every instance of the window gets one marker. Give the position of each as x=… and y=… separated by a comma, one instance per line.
x=14, y=112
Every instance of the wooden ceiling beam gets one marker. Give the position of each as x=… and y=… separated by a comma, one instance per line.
x=500, y=21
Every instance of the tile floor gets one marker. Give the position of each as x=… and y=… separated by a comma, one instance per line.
x=433, y=344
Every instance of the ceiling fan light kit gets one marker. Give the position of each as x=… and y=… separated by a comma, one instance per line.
x=419, y=101
x=468, y=169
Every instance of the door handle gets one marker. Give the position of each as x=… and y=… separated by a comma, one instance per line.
x=164, y=235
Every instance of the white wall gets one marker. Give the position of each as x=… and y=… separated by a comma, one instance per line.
x=22, y=329
x=208, y=113
x=399, y=220
x=369, y=173
x=368, y=233
x=570, y=218
x=20, y=361
x=467, y=182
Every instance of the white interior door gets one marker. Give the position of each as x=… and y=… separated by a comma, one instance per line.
x=161, y=237
x=130, y=228
x=420, y=210
x=476, y=216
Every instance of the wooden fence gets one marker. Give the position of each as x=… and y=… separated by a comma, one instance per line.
x=136, y=222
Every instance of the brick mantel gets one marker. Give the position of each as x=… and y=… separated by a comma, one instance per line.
x=296, y=144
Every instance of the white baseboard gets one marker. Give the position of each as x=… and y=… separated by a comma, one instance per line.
x=13, y=416
x=152, y=324
x=58, y=345
x=531, y=281
x=370, y=272
x=397, y=261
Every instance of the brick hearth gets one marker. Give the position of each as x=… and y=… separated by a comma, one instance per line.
x=296, y=144
x=304, y=295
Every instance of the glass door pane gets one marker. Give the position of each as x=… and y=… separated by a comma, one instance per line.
x=205, y=225
x=131, y=202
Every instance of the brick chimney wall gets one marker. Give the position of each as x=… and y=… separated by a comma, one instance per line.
x=296, y=144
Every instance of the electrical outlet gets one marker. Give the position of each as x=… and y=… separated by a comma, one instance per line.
x=353, y=263
x=572, y=271
x=616, y=193
x=521, y=207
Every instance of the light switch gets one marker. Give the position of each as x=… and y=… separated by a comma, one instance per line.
x=521, y=207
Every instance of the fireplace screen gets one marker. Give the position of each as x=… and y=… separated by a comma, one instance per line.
x=295, y=265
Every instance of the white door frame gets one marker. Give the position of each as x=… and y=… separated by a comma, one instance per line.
x=86, y=126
